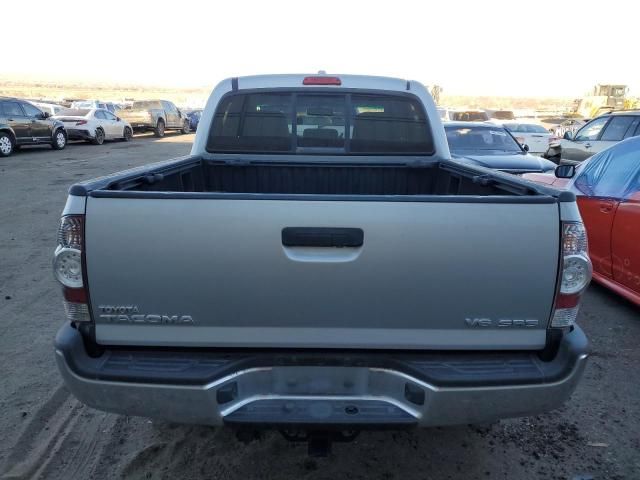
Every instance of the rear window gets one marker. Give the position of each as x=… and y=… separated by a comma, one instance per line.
x=470, y=116
x=324, y=123
x=464, y=139
x=74, y=112
x=503, y=115
x=146, y=104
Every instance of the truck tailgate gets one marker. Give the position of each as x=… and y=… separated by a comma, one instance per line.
x=215, y=272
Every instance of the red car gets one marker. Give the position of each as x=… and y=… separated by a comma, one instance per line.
x=608, y=190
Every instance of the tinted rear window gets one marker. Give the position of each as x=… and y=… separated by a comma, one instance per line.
x=469, y=116
x=326, y=123
x=503, y=115
x=147, y=104
x=74, y=112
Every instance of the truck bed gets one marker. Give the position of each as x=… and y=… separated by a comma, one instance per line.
x=266, y=255
x=195, y=174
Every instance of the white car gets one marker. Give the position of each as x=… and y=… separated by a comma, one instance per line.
x=50, y=108
x=95, y=125
x=535, y=136
x=112, y=107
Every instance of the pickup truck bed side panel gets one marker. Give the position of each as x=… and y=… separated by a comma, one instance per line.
x=428, y=275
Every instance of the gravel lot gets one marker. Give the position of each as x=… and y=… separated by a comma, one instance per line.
x=46, y=433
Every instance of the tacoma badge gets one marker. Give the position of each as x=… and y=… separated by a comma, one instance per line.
x=131, y=314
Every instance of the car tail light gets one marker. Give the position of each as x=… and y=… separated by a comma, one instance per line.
x=68, y=268
x=520, y=140
x=321, y=81
x=575, y=274
x=81, y=122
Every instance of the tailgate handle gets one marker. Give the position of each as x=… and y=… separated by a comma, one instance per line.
x=322, y=237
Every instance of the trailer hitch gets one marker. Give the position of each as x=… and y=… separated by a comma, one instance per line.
x=319, y=441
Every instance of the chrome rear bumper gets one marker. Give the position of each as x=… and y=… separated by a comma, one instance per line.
x=359, y=393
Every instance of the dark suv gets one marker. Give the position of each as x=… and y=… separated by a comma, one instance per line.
x=22, y=123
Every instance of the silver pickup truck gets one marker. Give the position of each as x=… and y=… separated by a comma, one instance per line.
x=319, y=263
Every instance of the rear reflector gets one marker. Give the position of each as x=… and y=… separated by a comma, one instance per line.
x=564, y=317
x=322, y=81
x=77, y=312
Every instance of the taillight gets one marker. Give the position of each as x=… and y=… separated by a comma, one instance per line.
x=575, y=274
x=321, y=81
x=68, y=267
x=81, y=122
x=520, y=140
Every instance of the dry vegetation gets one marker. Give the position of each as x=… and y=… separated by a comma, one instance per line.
x=511, y=103
x=58, y=91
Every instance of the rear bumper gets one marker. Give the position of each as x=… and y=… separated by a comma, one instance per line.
x=142, y=125
x=78, y=134
x=356, y=389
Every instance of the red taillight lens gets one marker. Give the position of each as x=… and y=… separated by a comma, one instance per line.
x=81, y=122
x=322, y=81
x=68, y=267
x=575, y=274
x=520, y=140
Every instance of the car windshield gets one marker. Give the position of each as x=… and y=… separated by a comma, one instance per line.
x=74, y=112
x=146, y=104
x=480, y=139
x=470, y=116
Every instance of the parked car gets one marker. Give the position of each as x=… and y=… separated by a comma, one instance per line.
x=341, y=276
x=570, y=125
x=500, y=115
x=469, y=116
x=492, y=146
x=194, y=119
x=22, y=123
x=94, y=125
x=155, y=115
x=50, y=108
x=607, y=187
x=89, y=104
x=595, y=136
x=535, y=136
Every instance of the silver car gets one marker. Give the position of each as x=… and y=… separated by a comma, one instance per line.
x=598, y=134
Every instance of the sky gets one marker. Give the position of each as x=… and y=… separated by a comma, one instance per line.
x=489, y=47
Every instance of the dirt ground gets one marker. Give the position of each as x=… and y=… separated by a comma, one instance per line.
x=46, y=433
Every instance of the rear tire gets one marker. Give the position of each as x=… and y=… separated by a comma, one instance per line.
x=59, y=140
x=6, y=144
x=159, y=130
x=99, y=138
x=127, y=134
